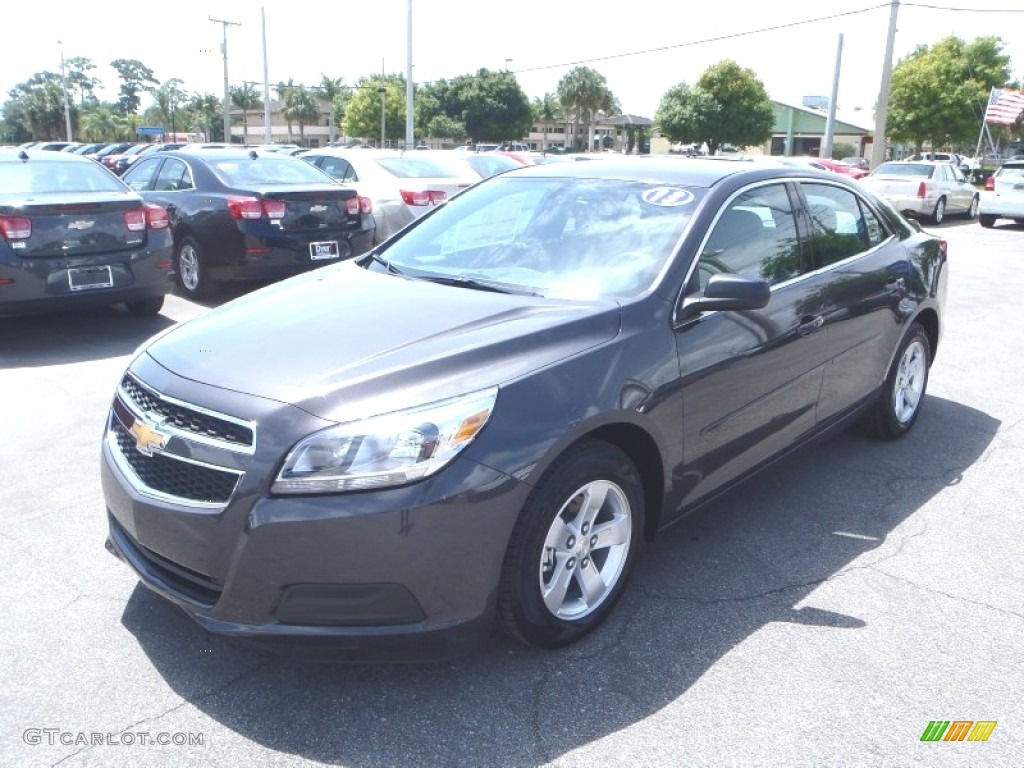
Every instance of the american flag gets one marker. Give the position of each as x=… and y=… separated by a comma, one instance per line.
x=1005, y=105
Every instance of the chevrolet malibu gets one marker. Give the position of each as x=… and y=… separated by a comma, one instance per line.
x=480, y=421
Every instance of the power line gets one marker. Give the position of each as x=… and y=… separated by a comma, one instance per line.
x=963, y=10
x=716, y=39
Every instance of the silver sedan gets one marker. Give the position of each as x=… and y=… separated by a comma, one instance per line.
x=924, y=189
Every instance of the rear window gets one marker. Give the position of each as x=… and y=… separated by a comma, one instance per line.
x=267, y=169
x=417, y=168
x=1011, y=172
x=904, y=169
x=42, y=176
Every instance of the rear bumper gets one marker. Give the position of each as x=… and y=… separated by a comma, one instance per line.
x=42, y=285
x=272, y=258
x=1003, y=206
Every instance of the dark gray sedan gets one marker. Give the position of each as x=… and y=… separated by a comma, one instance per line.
x=481, y=420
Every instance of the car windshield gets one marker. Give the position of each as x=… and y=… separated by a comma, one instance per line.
x=41, y=176
x=267, y=169
x=555, y=237
x=904, y=169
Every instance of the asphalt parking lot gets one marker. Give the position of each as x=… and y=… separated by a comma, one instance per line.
x=822, y=614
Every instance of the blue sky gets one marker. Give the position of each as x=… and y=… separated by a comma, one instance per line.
x=537, y=42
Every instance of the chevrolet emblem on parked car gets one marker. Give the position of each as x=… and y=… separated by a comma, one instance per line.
x=81, y=224
x=148, y=439
x=317, y=208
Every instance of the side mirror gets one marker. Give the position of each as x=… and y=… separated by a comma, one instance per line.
x=725, y=292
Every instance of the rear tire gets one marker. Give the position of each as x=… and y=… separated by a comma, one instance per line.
x=573, y=548
x=940, y=211
x=145, y=307
x=191, y=269
x=987, y=221
x=972, y=211
x=903, y=393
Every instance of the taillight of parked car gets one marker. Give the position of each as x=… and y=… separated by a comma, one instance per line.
x=151, y=216
x=990, y=184
x=254, y=208
x=922, y=190
x=357, y=205
x=16, y=227
x=424, y=196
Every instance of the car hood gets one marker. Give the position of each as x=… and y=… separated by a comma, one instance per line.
x=343, y=343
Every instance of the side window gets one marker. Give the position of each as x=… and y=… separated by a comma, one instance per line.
x=169, y=178
x=142, y=174
x=841, y=225
x=755, y=236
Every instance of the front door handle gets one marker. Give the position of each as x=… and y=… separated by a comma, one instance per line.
x=809, y=324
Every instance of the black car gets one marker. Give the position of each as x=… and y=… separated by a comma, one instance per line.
x=242, y=214
x=126, y=161
x=485, y=416
x=73, y=236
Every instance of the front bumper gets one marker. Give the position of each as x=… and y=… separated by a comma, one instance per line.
x=404, y=573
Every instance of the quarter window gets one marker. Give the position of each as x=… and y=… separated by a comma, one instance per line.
x=755, y=236
x=841, y=224
x=142, y=174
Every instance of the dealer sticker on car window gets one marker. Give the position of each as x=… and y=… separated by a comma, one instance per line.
x=667, y=197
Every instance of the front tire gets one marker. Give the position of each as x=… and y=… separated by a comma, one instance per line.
x=903, y=393
x=573, y=547
x=940, y=211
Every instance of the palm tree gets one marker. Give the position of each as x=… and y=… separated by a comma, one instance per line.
x=304, y=109
x=583, y=93
x=330, y=89
x=246, y=98
x=99, y=123
x=546, y=111
x=286, y=95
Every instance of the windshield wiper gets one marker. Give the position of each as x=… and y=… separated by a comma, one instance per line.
x=374, y=256
x=476, y=283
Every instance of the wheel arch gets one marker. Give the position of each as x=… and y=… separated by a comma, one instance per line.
x=929, y=319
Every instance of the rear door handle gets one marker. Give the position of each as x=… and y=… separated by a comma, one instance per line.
x=809, y=324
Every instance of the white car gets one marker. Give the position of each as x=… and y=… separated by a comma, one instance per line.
x=1004, y=195
x=924, y=189
x=402, y=185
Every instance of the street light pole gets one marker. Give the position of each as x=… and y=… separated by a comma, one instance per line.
x=882, y=109
x=383, y=119
x=64, y=86
x=227, y=96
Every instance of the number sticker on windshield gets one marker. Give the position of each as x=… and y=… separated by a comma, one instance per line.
x=667, y=196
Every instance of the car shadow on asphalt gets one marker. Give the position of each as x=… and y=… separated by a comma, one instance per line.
x=751, y=558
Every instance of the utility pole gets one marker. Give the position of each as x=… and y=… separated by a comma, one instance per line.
x=267, y=138
x=830, y=124
x=227, y=95
x=882, y=109
x=64, y=85
x=409, y=138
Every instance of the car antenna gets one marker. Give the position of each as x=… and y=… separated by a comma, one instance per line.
x=23, y=156
x=252, y=154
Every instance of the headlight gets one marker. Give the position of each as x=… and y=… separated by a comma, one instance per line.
x=385, y=451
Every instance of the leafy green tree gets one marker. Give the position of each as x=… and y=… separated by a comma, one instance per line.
x=38, y=104
x=443, y=127
x=204, y=115
x=99, y=123
x=362, y=116
x=247, y=99
x=584, y=94
x=486, y=106
x=136, y=78
x=728, y=105
x=286, y=95
x=939, y=93
x=76, y=71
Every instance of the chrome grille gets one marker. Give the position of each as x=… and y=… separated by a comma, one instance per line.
x=184, y=418
x=172, y=476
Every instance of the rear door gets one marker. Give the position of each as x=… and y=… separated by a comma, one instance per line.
x=867, y=280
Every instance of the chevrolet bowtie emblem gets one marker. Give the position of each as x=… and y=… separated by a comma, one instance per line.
x=147, y=438
x=317, y=208
x=81, y=224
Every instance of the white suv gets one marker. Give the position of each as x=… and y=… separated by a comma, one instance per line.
x=1003, y=197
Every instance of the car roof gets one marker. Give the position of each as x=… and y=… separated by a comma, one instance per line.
x=693, y=172
x=25, y=155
